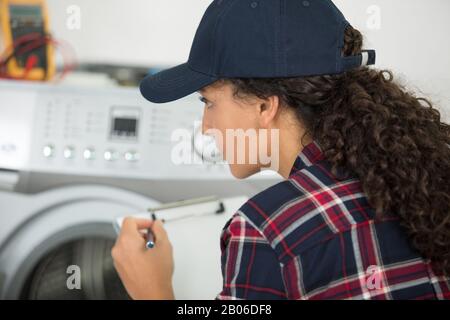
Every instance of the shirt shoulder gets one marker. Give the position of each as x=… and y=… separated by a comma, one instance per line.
x=239, y=229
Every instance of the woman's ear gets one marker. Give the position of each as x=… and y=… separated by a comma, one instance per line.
x=268, y=111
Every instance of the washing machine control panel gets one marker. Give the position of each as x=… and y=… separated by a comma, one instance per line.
x=104, y=132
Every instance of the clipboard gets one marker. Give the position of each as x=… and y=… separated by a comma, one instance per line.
x=194, y=231
x=179, y=210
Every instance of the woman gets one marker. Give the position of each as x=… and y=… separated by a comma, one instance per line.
x=364, y=210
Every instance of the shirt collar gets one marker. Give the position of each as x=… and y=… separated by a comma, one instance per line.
x=310, y=154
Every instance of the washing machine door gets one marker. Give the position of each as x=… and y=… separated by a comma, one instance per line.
x=48, y=239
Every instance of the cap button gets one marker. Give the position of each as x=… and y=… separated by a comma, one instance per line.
x=254, y=4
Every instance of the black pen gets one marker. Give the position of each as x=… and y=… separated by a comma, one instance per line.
x=150, y=237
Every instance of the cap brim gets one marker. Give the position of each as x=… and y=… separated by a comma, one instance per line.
x=174, y=84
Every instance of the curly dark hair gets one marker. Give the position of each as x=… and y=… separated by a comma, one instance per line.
x=370, y=126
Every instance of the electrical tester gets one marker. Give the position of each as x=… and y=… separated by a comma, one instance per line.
x=26, y=49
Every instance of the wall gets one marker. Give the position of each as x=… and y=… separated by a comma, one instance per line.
x=412, y=39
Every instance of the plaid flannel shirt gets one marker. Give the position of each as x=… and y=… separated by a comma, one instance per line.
x=313, y=236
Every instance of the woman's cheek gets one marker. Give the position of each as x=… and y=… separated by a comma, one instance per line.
x=215, y=143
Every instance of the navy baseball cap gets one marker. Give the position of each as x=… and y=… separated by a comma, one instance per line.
x=259, y=39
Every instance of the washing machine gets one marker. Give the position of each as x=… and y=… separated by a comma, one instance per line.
x=72, y=159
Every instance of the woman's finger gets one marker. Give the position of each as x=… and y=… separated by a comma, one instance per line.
x=130, y=223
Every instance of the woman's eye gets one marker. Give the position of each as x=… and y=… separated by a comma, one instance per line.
x=207, y=103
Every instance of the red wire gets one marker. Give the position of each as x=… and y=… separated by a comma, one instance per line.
x=33, y=45
x=37, y=40
x=69, y=64
x=32, y=60
x=21, y=39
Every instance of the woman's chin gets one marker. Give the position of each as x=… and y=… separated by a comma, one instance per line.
x=243, y=171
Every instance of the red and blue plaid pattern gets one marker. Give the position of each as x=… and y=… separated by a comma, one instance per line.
x=314, y=236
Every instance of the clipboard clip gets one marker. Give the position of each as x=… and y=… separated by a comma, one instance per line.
x=189, y=202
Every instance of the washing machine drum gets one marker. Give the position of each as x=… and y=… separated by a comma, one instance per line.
x=98, y=277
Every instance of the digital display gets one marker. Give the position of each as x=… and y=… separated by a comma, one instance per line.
x=124, y=127
x=124, y=123
x=25, y=12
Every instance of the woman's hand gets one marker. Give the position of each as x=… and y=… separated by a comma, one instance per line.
x=145, y=273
